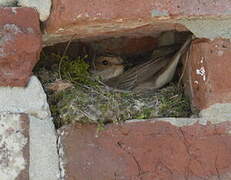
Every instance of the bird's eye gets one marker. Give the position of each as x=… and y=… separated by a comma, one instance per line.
x=105, y=62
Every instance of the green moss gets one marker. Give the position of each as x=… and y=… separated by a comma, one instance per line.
x=75, y=71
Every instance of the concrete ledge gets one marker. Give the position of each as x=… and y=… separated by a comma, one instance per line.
x=44, y=162
x=31, y=99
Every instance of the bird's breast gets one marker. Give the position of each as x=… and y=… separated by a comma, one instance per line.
x=110, y=72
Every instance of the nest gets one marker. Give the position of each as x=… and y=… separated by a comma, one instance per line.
x=75, y=96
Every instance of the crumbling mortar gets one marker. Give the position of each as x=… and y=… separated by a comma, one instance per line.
x=60, y=153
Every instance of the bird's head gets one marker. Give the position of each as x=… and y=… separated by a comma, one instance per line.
x=108, y=67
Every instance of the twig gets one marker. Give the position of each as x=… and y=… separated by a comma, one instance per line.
x=84, y=113
x=64, y=53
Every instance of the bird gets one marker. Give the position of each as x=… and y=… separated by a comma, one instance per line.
x=151, y=75
x=110, y=66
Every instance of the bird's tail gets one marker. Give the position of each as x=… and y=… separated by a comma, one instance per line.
x=183, y=47
x=167, y=74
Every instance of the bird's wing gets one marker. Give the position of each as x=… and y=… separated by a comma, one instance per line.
x=165, y=51
x=131, y=78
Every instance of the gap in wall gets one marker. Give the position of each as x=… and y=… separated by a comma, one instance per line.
x=74, y=96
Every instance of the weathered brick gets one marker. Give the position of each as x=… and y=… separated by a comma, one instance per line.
x=20, y=45
x=146, y=150
x=14, y=146
x=66, y=12
x=89, y=19
x=208, y=74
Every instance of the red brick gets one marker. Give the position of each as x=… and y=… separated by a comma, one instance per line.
x=208, y=72
x=147, y=151
x=96, y=18
x=126, y=46
x=20, y=45
x=67, y=12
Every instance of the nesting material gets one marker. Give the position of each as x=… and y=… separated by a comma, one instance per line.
x=87, y=100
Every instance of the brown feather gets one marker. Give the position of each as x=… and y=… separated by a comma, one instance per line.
x=151, y=74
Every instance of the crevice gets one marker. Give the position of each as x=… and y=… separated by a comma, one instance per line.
x=69, y=69
x=188, y=171
x=217, y=170
x=140, y=171
x=60, y=153
x=159, y=163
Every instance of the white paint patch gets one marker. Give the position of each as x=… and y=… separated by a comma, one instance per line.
x=12, y=142
x=14, y=10
x=220, y=53
x=202, y=60
x=201, y=72
x=60, y=29
x=98, y=14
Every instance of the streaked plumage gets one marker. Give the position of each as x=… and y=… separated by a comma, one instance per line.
x=153, y=74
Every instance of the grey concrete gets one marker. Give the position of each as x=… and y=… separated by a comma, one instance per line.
x=31, y=100
x=44, y=161
x=219, y=111
x=12, y=142
x=208, y=27
x=8, y=2
x=42, y=6
x=180, y=122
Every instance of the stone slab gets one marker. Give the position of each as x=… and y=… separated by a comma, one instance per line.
x=44, y=163
x=31, y=99
x=42, y=6
x=8, y=2
x=20, y=44
x=146, y=150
